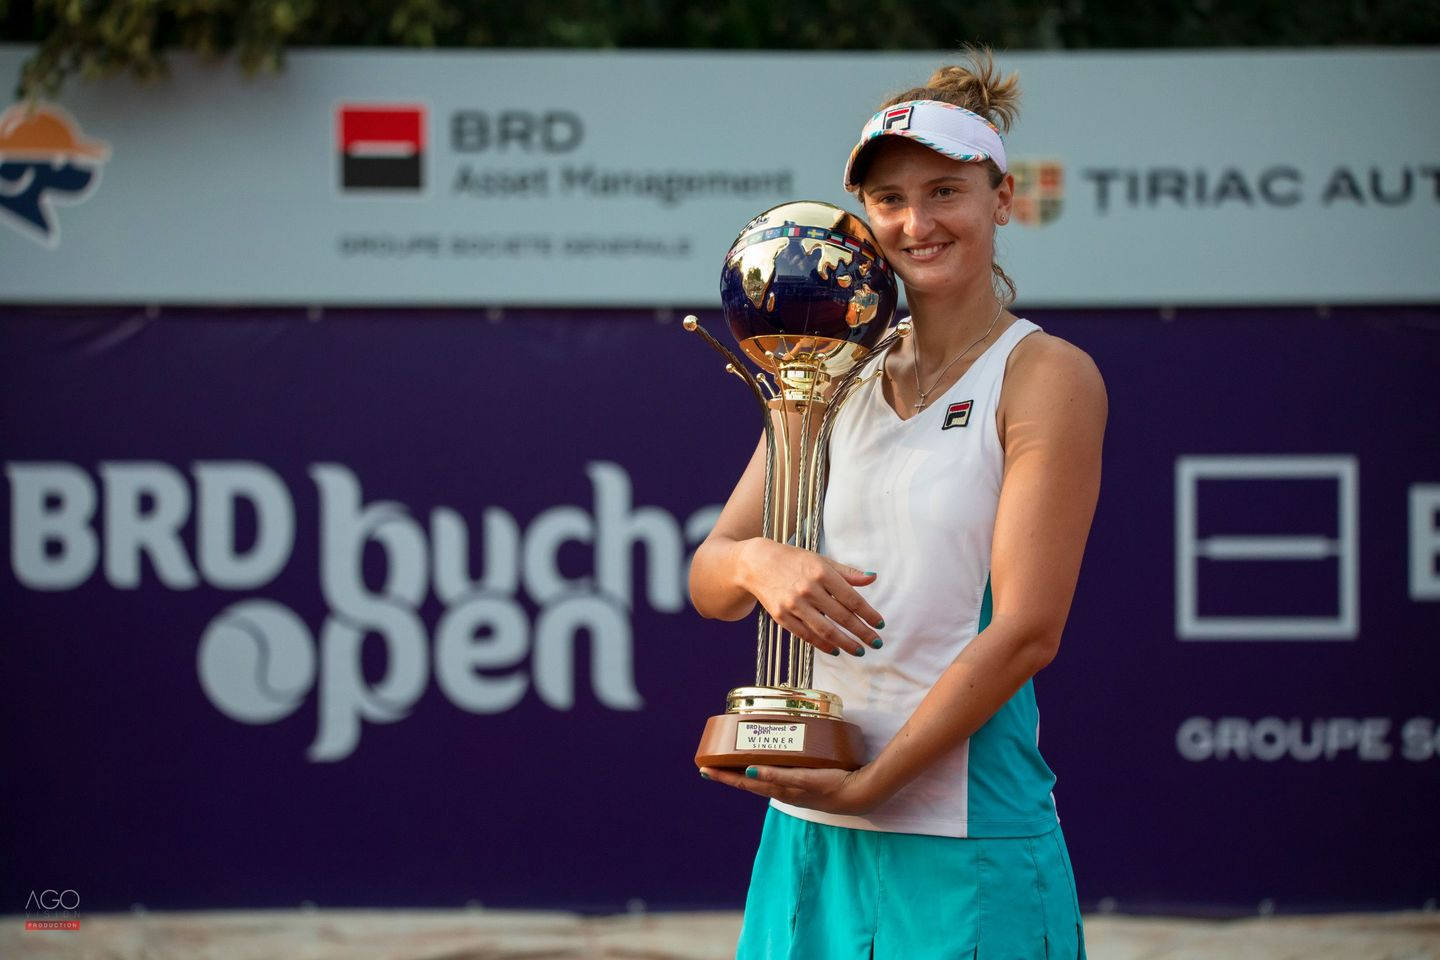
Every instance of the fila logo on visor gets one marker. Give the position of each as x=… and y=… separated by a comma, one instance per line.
x=957, y=414
x=897, y=119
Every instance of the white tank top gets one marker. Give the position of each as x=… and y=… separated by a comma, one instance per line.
x=915, y=500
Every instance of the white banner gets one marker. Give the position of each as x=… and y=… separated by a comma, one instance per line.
x=499, y=178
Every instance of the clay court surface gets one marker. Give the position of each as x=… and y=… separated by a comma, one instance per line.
x=496, y=935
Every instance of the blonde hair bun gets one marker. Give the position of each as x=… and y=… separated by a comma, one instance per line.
x=977, y=85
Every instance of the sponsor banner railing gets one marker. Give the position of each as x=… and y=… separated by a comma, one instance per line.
x=493, y=177
x=389, y=607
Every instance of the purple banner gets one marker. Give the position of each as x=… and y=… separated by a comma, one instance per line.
x=389, y=608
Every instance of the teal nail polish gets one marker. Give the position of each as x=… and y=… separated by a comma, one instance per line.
x=752, y=773
x=860, y=652
x=880, y=625
x=877, y=643
x=833, y=652
x=704, y=775
x=869, y=573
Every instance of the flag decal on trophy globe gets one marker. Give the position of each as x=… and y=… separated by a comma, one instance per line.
x=382, y=146
x=1039, y=190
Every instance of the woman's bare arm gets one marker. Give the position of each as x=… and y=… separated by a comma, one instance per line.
x=715, y=582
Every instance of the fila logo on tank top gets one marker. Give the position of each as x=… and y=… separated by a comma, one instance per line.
x=915, y=500
x=957, y=414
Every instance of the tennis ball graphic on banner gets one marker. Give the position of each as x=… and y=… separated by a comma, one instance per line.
x=257, y=661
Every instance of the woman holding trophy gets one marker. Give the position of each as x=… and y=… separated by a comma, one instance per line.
x=963, y=477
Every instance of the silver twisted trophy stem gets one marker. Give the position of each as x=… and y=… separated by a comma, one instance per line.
x=781, y=658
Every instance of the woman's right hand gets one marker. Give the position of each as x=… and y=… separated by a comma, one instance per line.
x=811, y=596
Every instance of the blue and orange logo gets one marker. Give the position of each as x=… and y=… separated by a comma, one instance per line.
x=44, y=159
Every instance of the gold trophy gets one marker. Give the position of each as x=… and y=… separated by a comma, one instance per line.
x=808, y=298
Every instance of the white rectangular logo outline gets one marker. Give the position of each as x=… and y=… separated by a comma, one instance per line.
x=1344, y=469
x=1424, y=499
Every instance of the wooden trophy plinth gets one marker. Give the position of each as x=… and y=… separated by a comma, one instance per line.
x=781, y=727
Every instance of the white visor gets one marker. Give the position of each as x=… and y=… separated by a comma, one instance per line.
x=943, y=127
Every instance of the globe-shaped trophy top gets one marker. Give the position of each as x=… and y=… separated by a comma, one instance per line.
x=805, y=288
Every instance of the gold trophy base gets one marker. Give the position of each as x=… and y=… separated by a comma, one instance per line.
x=782, y=727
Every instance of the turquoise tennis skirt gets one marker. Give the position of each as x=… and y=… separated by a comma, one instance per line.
x=831, y=893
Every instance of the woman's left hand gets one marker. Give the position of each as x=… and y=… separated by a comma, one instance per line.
x=828, y=789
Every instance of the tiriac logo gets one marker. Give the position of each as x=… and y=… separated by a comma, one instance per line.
x=44, y=159
x=1039, y=190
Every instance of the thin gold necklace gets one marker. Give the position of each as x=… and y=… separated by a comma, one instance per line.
x=920, y=405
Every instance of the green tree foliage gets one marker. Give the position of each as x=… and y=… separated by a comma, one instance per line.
x=98, y=37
